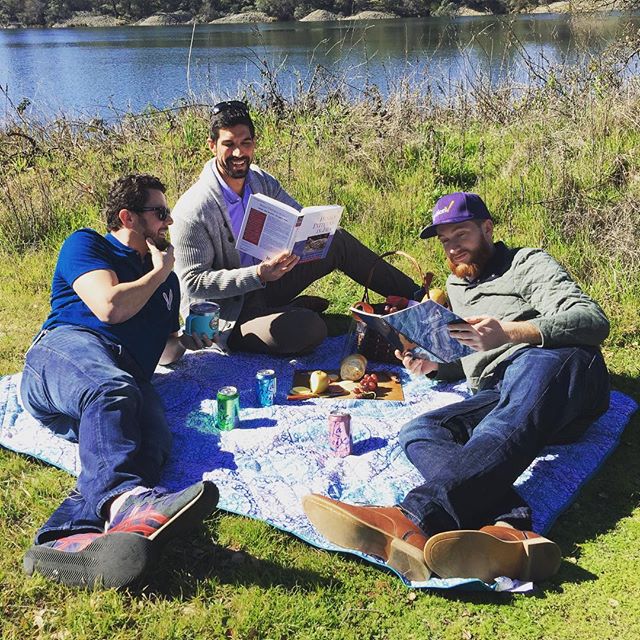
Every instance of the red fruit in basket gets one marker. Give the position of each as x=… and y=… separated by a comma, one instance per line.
x=396, y=302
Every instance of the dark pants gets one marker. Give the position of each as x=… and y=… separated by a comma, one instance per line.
x=84, y=388
x=268, y=324
x=471, y=452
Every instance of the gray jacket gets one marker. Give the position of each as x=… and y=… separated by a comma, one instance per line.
x=523, y=284
x=207, y=261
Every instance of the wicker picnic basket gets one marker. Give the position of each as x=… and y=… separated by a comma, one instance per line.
x=369, y=342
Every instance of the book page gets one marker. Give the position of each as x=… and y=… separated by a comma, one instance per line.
x=421, y=329
x=315, y=230
x=267, y=228
x=427, y=324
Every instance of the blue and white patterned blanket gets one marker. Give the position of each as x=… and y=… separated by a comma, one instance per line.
x=281, y=453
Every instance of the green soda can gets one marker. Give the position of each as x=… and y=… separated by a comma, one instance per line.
x=228, y=416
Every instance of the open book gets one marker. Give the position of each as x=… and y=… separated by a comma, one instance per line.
x=270, y=226
x=421, y=328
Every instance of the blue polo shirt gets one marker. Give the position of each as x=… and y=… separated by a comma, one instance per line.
x=144, y=336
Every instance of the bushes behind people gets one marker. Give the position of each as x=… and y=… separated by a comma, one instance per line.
x=557, y=162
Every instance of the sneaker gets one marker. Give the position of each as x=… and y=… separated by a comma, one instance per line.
x=159, y=516
x=110, y=560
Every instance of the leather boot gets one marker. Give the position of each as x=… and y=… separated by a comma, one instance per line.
x=491, y=552
x=384, y=532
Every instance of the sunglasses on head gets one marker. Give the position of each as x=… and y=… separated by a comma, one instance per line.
x=230, y=105
x=161, y=212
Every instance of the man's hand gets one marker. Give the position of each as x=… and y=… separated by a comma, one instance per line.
x=274, y=268
x=416, y=366
x=162, y=260
x=195, y=342
x=483, y=333
x=178, y=344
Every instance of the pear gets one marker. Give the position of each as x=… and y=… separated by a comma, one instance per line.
x=318, y=381
x=439, y=296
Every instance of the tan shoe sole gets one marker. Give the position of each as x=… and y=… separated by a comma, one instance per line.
x=346, y=530
x=476, y=554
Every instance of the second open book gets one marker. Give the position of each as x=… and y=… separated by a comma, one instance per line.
x=421, y=328
x=270, y=227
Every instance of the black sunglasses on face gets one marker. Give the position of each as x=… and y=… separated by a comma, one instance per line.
x=230, y=105
x=161, y=212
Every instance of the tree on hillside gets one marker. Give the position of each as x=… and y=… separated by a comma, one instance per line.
x=217, y=8
x=136, y=9
x=61, y=9
x=280, y=9
x=33, y=12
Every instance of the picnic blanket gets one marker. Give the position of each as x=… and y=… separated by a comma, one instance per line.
x=280, y=453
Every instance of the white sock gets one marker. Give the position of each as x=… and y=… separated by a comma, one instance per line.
x=119, y=501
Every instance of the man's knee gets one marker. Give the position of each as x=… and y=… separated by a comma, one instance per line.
x=421, y=429
x=343, y=246
x=310, y=334
x=122, y=391
x=298, y=331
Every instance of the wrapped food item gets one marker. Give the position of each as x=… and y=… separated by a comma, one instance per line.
x=353, y=367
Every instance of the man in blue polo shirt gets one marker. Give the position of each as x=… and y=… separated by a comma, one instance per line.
x=114, y=316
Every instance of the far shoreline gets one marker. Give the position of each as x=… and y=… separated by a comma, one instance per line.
x=85, y=20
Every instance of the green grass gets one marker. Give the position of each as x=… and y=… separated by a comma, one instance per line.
x=566, y=179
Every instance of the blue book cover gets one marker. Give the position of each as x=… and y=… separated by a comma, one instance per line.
x=422, y=329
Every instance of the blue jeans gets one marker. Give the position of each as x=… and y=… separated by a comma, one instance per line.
x=471, y=452
x=86, y=388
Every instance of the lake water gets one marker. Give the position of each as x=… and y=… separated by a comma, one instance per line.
x=107, y=71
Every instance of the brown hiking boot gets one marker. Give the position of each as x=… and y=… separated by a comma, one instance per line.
x=384, y=532
x=491, y=552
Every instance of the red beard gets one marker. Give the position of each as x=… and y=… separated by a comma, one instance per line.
x=474, y=268
x=465, y=271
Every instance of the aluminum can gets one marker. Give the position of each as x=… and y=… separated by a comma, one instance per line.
x=340, y=433
x=228, y=416
x=203, y=318
x=266, y=387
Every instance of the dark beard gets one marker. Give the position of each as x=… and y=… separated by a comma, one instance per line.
x=473, y=269
x=162, y=244
x=229, y=170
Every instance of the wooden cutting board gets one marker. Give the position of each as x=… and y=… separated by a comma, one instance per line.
x=389, y=385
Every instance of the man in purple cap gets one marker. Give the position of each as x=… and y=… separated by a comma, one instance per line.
x=537, y=377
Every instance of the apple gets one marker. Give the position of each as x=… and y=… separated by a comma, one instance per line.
x=319, y=381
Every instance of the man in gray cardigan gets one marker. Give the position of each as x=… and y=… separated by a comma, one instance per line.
x=259, y=307
x=538, y=377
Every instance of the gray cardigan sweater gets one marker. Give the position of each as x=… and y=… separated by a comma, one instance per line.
x=207, y=262
x=529, y=285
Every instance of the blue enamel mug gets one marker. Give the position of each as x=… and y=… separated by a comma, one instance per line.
x=203, y=319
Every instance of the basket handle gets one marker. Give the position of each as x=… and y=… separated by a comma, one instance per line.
x=425, y=278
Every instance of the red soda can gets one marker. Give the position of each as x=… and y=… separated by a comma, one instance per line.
x=340, y=433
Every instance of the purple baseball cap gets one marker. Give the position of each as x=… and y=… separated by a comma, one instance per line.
x=456, y=207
